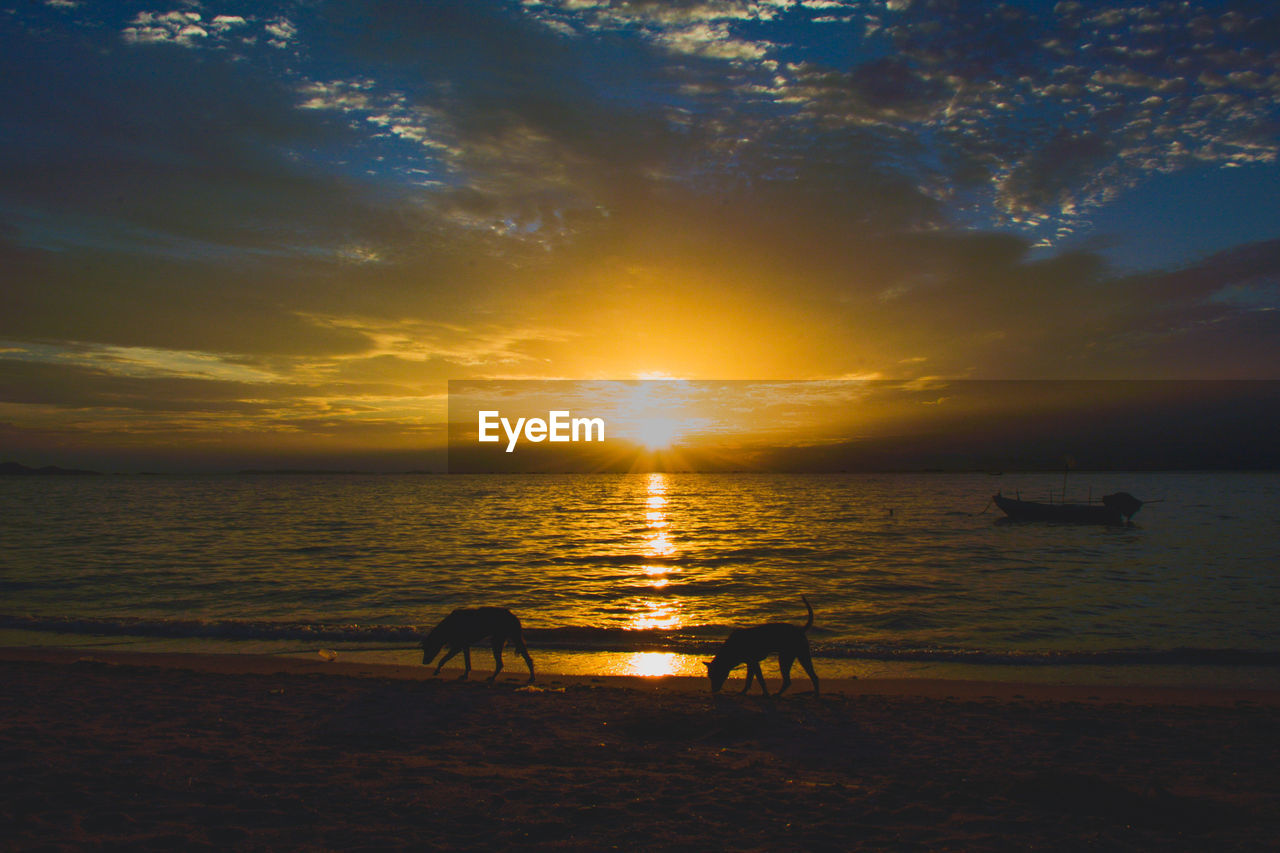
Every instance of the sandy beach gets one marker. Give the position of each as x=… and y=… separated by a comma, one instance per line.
x=252, y=752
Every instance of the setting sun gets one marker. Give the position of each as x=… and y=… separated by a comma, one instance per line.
x=657, y=433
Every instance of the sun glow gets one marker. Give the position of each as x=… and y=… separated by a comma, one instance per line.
x=656, y=433
x=656, y=415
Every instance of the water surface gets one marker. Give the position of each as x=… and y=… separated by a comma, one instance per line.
x=644, y=572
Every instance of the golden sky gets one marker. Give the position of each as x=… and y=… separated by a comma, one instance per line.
x=261, y=235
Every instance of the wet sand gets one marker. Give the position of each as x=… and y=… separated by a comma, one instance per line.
x=245, y=752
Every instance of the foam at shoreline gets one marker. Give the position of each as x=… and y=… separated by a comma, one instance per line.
x=588, y=651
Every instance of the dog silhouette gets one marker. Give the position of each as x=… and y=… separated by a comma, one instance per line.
x=468, y=625
x=754, y=644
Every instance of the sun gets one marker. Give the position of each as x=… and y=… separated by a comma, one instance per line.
x=656, y=433
x=657, y=415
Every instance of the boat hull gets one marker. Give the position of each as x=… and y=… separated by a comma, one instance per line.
x=1019, y=510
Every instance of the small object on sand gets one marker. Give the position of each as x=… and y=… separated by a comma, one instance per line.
x=328, y=654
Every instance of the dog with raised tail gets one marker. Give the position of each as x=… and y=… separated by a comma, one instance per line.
x=469, y=625
x=754, y=644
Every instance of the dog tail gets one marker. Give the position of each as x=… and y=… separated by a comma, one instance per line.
x=809, y=624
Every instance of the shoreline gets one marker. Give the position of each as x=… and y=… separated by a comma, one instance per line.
x=159, y=751
x=603, y=662
x=516, y=675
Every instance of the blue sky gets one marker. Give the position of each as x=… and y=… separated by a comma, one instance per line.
x=251, y=224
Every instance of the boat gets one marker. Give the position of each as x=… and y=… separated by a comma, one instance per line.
x=1118, y=508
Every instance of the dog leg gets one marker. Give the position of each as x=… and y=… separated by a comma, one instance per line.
x=443, y=660
x=807, y=663
x=784, y=664
x=517, y=643
x=466, y=662
x=498, y=643
x=753, y=668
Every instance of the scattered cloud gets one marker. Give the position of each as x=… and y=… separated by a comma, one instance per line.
x=181, y=28
x=190, y=28
x=416, y=341
x=335, y=208
x=711, y=40
x=282, y=32
x=141, y=362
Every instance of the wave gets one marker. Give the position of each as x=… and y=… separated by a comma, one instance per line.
x=1105, y=657
x=695, y=640
x=219, y=629
x=709, y=558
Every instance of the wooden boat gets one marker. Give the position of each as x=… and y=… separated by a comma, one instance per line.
x=1118, y=508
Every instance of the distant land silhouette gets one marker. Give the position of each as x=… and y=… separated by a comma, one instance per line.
x=15, y=468
x=304, y=471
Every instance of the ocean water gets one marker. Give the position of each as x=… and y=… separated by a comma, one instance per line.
x=908, y=574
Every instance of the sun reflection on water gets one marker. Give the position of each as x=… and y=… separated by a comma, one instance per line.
x=651, y=615
x=647, y=613
x=650, y=664
x=657, y=538
x=659, y=545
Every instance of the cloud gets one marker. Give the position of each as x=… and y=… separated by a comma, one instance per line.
x=189, y=29
x=336, y=208
x=81, y=390
x=712, y=40
x=977, y=81
x=180, y=28
x=488, y=109
x=498, y=105
x=225, y=23
x=416, y=341
x=208, y=157
x=142, y=362
x=282, y=32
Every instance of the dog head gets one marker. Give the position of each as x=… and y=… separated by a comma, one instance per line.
x=717, y=671
x=432, y=645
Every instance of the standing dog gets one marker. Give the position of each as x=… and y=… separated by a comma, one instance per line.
x=468, y=625
x=752, y=645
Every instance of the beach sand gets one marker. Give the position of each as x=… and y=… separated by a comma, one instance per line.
x=253, y=752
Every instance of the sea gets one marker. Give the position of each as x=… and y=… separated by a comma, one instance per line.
x=911, y=575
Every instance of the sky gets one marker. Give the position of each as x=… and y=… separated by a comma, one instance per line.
x=255, y=234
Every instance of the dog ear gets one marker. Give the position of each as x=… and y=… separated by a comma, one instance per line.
x=707, y=664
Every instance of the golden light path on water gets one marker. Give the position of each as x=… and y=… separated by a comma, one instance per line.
x=654, y=613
